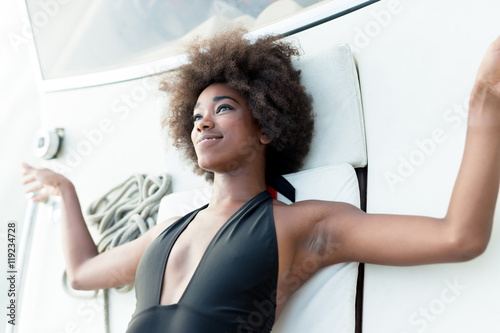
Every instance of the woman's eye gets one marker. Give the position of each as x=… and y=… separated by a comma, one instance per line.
x=224, y=107
x=197, y=117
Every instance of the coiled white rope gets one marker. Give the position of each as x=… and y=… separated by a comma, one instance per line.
x=128, y=210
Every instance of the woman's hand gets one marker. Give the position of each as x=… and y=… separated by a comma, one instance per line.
x=488, y=75
x=485, y=98
x=44, y=182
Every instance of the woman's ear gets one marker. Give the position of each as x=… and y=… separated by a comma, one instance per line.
x=264, y=139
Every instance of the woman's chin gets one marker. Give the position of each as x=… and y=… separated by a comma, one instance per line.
x=230, y=167
x=206, y=166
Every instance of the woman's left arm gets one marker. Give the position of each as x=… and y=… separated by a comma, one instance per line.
x=347, y=234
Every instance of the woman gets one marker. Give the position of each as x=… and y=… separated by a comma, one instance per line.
x=239, y=112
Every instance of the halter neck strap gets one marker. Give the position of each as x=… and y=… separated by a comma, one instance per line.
x=283, y=186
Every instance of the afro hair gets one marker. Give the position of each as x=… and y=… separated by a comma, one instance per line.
x=260, y=70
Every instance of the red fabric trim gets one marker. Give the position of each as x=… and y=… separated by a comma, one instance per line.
x=273, y=192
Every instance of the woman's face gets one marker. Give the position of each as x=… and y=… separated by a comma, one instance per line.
x=225, y=135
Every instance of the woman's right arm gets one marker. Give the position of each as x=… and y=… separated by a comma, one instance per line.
x=86, y=268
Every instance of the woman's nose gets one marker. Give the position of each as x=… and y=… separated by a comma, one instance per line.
x=205, y=123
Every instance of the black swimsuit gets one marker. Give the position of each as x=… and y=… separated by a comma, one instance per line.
x=233, y=289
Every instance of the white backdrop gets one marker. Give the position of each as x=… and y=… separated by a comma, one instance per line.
x=19, y=119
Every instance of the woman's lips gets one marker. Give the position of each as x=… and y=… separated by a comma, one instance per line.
x=209, y=138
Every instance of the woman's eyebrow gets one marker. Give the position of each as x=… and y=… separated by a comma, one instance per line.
x=219, y=98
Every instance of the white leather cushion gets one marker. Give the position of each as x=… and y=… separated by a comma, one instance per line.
x=181, y=203
x=330, y=76
x=332, y=182
x=325, y=303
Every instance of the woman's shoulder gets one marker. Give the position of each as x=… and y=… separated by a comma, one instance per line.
x=303, y=215
x=307, y=207
x=299, y=214
x=155, y=231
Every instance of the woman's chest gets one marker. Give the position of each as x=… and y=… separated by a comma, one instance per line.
x=185, y=256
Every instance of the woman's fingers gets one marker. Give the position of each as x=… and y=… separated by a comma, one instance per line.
x=39, y=195
x=30, y=173
x=40, y=183
x=26, y=171
x=27, y=168
x=43, y=195
x=489, y=69
x=29, y=180
x=46, y=176
x=35, y=188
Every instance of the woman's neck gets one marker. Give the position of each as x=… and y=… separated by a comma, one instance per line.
x=237, y=186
